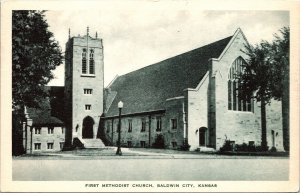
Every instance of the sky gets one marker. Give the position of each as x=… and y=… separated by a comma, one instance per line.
x=135, y=38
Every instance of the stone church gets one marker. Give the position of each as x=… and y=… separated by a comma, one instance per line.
x=189, y=98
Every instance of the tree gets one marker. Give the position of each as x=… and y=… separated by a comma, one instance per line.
x=280, y=54
x=34, y=54
x=265, y=75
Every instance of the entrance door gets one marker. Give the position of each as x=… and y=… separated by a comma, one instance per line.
x=202, y=136
x=87, y=127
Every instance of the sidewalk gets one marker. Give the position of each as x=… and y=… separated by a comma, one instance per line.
x=132, y=153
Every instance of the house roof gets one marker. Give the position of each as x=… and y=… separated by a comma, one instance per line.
x=42, y=116
x=148, y=88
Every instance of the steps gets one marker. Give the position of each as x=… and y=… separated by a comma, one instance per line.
x=205, y=149
x=92, y=143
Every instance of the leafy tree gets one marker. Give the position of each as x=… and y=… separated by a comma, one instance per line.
x=266, y=76
x=34, y=54
x=280, y=52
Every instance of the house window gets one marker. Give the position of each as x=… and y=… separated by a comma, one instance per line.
x=108, y=127
x=143, y=143
x=92, y=62
x=235, y=103
x=37, y=130
x=158, y=123
x=174, y=123
x=88, y=107
x=37, y=146
x=84, y=65
x=118, y=129
x=61, y=145
x=49, y=145
x=143, y=125
x=129, y=125
x=174, y=144
x=129, y=143
x=87, y=91
x=62, y=130
x=50, y=130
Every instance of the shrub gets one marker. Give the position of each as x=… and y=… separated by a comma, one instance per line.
x=273, y=149
x=261, y=149
x=251, y=148
x=243, y=147
x=159, y=142
x=185, y=147
x=227, y=146
x=77, y=143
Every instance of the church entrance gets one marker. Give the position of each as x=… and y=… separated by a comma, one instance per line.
x=202, y=136
x=87, y=127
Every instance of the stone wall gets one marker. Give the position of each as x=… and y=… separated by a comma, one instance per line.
x=173, y=138
x=240, y=126
x=197, y=111
x=136, y=135
x=78, y=82
x=44, y=138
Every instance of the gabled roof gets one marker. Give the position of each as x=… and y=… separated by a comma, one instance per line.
x=42, y=116
x=148, y=88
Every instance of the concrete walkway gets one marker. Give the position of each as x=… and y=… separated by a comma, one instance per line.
x=132, y=153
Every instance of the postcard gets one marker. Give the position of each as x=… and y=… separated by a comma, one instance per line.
x=150, y=96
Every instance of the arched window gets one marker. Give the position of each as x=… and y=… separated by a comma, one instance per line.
x=92, y=62
x=84, y=67
x=235, y=103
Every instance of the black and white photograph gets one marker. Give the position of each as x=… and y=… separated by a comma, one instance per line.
x=151, y=96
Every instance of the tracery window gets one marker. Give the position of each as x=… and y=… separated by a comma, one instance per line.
x=92, y=62
x=235, y=103
x=84, y=65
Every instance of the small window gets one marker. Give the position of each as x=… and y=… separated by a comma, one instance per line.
x=158, y=123
x=88, y=91
x=50, y=130
x=143, y=125
x=129, y=143
x=143, y=143
x=129, y=125
x=49, y=145
x=37, y=130
x=118, y=129
x=174, y=144
x=174, y=123
x=108, y=127
x=62, y=130
x=37, y=146
x=61, y=145
x=88, y=107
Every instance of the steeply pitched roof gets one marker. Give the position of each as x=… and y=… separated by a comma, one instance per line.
x=42, y=116
x=147, y=89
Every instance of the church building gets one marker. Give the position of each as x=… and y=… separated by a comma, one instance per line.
x=189, y=99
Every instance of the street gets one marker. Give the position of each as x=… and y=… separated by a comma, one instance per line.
x=140, y=165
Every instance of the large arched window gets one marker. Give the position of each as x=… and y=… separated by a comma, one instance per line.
x=235, y=103
x=92, y=62
x=84, y=65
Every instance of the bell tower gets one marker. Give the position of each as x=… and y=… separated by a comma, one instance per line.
x=84, y=82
